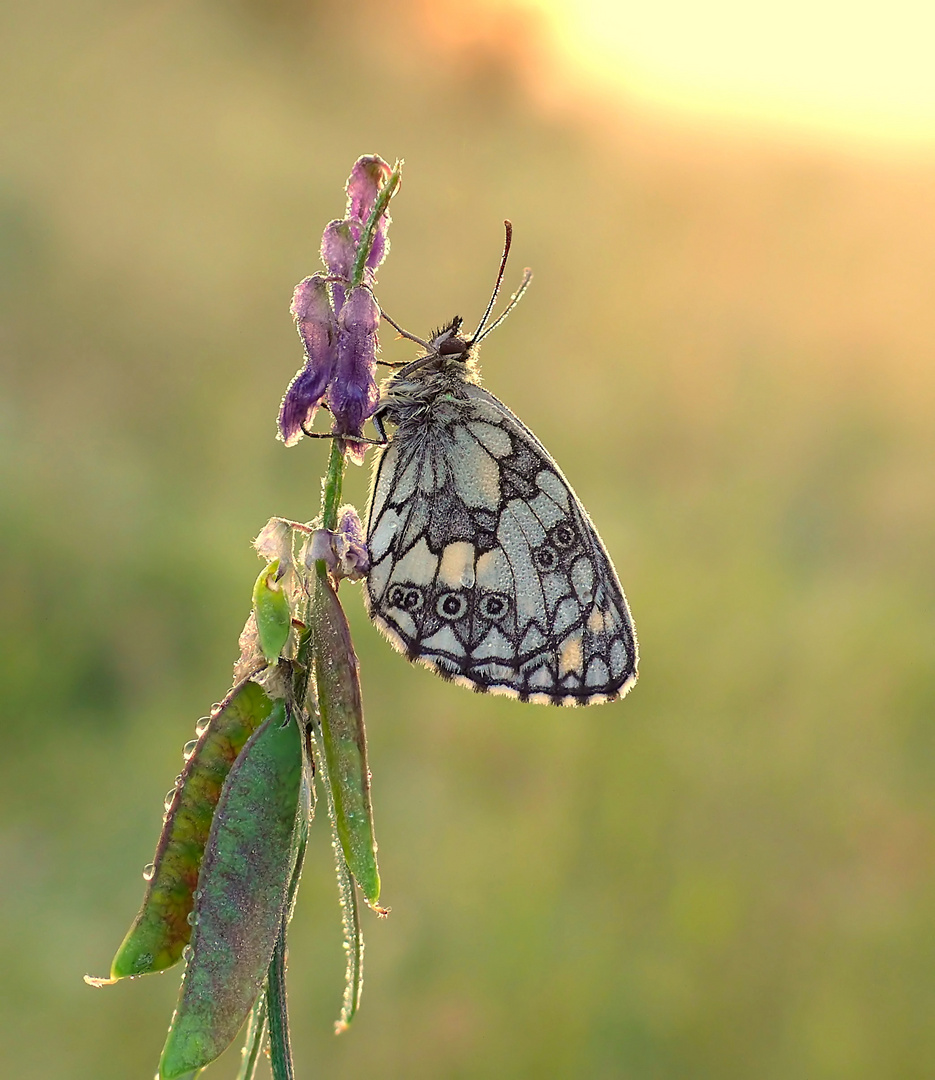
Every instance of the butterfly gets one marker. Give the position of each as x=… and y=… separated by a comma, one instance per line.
x=484, y=564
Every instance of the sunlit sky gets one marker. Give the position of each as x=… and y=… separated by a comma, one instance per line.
x=861, y=69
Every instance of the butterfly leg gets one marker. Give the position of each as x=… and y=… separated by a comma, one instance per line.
x=383, y=441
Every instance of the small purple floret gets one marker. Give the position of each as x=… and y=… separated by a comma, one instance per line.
x=317, y=328
x=339, y=246
x=367, y=177
x=350, y=544
x=353, y=393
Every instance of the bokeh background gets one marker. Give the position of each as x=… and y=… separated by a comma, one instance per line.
x=728, y=346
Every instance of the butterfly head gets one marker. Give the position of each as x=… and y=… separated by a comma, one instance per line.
x=449, y=352
x=449, y=344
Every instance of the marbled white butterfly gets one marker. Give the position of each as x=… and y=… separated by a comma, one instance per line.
x=484, y=564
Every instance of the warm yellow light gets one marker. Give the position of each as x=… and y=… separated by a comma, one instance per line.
x=859, y=68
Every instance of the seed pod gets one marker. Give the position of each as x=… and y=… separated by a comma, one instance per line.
x=242, y=895
x=161, y=930
x=337, y=683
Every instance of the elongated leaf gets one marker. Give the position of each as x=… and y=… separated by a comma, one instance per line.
x=161, y=929
x=350, y=911
x=337, y=682
x=242, y=895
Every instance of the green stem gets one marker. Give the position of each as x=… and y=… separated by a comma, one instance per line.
x=276, y=1013
x=276, y=1006
x=280, y=1051
x=331, y=492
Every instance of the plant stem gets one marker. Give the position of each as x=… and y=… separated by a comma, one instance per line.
x=276, y=1007
x=331, y=492
x=280, y=1051
x=275, y=1011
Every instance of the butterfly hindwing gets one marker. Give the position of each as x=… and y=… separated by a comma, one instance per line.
x=485, y=565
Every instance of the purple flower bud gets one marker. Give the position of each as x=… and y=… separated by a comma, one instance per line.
x=339, y=246
x=353, y=394
x=344, y=551
x=363, y=186
x=316, y=324
x=350, y=545
x=275, y=542
x=367, y=177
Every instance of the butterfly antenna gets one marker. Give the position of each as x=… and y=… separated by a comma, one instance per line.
x=514, y=300
x=404, y=333
x=508, y=225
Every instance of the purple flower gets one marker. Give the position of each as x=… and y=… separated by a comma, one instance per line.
x=341, y=350
x=317, y=328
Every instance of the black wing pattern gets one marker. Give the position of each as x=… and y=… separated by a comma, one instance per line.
x=486, y=567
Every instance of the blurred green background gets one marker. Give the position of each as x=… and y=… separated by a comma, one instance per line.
x=728, y=347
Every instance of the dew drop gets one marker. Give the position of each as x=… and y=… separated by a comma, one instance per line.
x=202, y=726
x=148, y=870
x=189, y=748
x=167, y=801
x=191, y=918
x=187, y=953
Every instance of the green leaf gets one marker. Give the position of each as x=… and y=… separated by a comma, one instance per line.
x=337, y=682
x=242, y=894
x=161, y=929
x=350, y=911
x=271, y=610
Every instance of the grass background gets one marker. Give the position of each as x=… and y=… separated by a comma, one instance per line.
x=728, y=348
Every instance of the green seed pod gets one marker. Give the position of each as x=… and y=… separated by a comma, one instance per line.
x=162, y=929
x=242, y=896
x=271, y=610
x=337, y=682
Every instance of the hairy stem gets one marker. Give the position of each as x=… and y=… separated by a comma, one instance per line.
x=280, y=1050
x=331, y=490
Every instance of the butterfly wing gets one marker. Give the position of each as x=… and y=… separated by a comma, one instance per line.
x=486, y=567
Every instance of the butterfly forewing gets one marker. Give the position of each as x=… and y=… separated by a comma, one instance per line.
x=485, y=565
